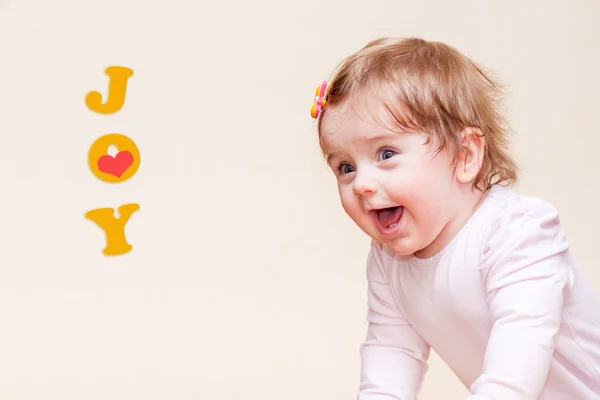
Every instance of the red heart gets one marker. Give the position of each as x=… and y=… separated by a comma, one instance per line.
x=115, y=165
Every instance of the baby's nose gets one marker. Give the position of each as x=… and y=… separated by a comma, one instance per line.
x=364, y=185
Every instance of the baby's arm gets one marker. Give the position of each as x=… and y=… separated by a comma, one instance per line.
x=394, y=356
x=527, y=273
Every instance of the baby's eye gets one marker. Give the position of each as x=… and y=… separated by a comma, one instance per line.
x=346, y=169
x=385, y=154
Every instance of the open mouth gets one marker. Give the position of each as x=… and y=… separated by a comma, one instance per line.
x=389, y=217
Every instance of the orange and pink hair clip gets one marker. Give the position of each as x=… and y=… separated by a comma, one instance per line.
x=320, y=100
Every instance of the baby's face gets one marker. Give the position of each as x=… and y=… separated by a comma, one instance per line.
x=393, y=185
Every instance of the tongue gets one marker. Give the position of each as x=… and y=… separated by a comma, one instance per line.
x=390, y=216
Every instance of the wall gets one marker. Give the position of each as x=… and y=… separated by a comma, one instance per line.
x=245, y=279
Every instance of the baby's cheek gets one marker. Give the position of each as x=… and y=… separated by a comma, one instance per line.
x=428, y=218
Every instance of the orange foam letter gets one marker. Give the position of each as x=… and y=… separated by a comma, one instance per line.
x=116, y=243
x=117, y=87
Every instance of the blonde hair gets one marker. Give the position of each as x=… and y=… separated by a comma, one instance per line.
x=430, y=87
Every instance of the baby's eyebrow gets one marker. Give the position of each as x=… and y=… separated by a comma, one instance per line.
x=381, y=136
x=329, y=157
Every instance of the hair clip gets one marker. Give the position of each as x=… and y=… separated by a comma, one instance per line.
x=319, y=100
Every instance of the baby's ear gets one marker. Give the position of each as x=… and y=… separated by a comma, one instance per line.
x=469, y=158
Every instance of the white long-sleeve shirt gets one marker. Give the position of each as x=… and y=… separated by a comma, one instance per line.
x=505, y=305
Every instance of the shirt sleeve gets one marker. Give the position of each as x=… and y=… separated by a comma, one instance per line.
x=528, y=274
x=394, y=356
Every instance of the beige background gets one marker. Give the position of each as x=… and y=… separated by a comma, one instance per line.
x=246, y=279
